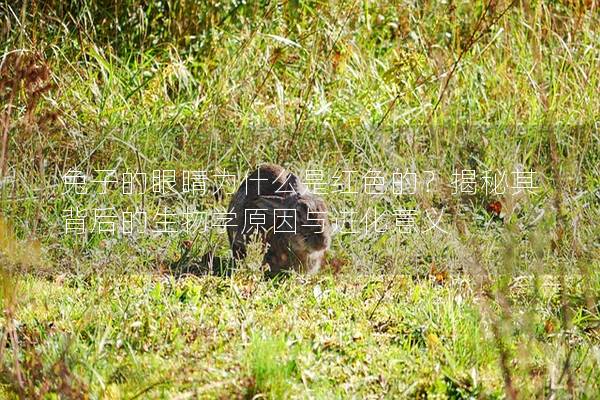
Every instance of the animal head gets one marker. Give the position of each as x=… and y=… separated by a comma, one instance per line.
x=312, y=222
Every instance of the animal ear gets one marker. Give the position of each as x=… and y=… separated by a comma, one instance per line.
x=302, y=207
x=268, y=202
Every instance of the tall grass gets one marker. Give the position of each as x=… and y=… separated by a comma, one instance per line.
x=504, y=304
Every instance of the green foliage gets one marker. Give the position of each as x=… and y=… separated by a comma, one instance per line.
x=271, y=365
x=500, y=302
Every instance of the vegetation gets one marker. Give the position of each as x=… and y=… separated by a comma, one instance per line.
x=502, y=301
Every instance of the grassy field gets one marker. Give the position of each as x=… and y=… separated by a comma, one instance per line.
x=499, y=300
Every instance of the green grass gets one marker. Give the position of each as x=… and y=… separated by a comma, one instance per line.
x=211, y=337
x=497, y=305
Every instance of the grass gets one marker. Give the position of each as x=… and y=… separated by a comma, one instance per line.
x=502, y=305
